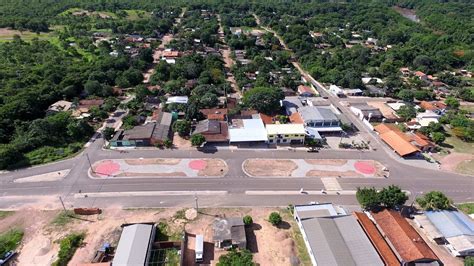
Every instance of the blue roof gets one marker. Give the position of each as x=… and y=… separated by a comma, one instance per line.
x=451, y=223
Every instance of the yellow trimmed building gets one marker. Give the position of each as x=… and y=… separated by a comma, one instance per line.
x=285, y=133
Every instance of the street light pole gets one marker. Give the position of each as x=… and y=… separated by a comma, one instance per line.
x=90, y=164
x=196, y=201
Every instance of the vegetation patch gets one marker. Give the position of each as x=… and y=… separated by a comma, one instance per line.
x=468, y=208
x=63, y=218
x=10, y=240
x=67, y=248
x=4, y=214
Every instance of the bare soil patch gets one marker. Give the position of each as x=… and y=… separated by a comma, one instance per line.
x=181, y=143
x=450, y=162
x=153, y=161
x=150, y=174
x=214, y=167
x=269, y=167
x=336, y=162
x=320, y=173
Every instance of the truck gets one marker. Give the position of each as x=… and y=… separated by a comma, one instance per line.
x=199, y=248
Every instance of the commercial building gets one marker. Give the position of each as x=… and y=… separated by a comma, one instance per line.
x=334, y=238
x=135, y=244
x=247, y=130
x=396, y=139
x=406, y=243
x=285, y=133
x=452, y=229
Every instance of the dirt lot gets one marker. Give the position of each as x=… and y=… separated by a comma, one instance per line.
x=214, y=168
x=272, y=167
x=269, y=245
x=452, y=161
x=337, y=162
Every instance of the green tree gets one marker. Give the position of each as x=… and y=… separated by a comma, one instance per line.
x=452, y=102
x=108, y=133
x=368, y=198
x=248, y=220
x=469, y=261
x=438, y=137
x=392, y=196
x=275, y=218
x=182, y=127
x=264, y=99
x=236, y=258
x=197, y=139
x=406, y=95
x=434, y=200
x=407, y=112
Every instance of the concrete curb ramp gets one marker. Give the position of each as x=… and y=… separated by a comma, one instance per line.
x=148, y=194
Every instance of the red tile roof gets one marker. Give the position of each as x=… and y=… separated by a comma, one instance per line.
x=296, y=118
x=436, y=105
x=404, y=239
x=396, y=139
x=267, y=119
x=377, y=240
x=214, y=113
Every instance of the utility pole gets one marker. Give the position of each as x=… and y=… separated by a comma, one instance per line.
x=62, y=203
x=90, y=164
x=196, y=201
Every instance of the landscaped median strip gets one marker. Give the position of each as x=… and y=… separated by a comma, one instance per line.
x=149, y=194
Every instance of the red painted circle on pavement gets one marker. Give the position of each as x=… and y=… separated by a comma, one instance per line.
x=197, y=164
x=365, y=168
x=107, y=168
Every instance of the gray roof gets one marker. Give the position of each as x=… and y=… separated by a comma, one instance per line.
x=229, y=229
x=133, y=245
x=139, y=132
x=162, y=128
x=339, y=240
x=367, y=109
x=208, y=126
x=291, y=104
x=313, y=113
x=451, y=223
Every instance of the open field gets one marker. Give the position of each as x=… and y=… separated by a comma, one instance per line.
x=7, y=35
x=459, y=145
x=42, y=229
x=465, y=167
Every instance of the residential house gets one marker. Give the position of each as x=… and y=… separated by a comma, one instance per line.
x=423, y=119
x=405, y=71
x=449, y=228
x=229, y=232
x=376, y=90
x=305, y=91
x=59, y=106
x=285, y=133
x=212, y=130
x=177, y=99
x=421, y=75
x=334, y=238
x=291, y=105
x=369, y=80
x=396, y=139
x=162, y=131
x=336, y=90
x=406, y=243
x=435, y=106
x=353, y=92
x=367, y=112
x=219, y=114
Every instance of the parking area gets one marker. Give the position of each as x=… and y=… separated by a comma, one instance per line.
x=334, y=141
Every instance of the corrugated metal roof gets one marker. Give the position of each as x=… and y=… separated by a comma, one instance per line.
x=313, y=113
x=273, y=129
x=133, y=245
x=252, y=130
x=451, y=223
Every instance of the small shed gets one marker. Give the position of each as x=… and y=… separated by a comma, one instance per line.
x=135, y=245
x=229, y=232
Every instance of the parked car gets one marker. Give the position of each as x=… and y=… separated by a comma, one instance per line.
x=9, y=255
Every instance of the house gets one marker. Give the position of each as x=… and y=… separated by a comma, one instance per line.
x=212, y=130
x=291, y=105
x=147, y=134
x=421, y=75
x=369, y=80
x=396, y=105
x=375, y=90
x=285, y=133
x=423, y=119
x=434, y=106
x=87, y=104
x=396, y=139
x=405, y=71
x=135, y=245
x=388, y=113
x=236, y=31
x=367, y=112
x=449, y=228
x=59, y=106
x=353, y=92
x=177, y=99
x=406, y=243
x=305, y=91
x=229, y=232
x=336, y=90
x=267, y=119
x=378, y=241
x=219, y=114
x=334, y=238
x=247, y=131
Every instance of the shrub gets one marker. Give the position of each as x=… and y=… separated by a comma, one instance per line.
x=10, y=240
x=235, y=257
x=197, y=139
x=67, y=248
x=248, y=220
x=275, y=218
x=368, y=198
x=434, y=200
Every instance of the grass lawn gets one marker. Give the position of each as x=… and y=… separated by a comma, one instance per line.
x=134, y=14
x=465, y=167
x=10, y=240
x=466, y=207
x=63, y=218
x=469, y=108
x=459, y=145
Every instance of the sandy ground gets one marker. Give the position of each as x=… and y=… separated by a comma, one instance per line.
x=53, y=176
x=451, y=161
x=271, y=167
x=181, y=143
x=214, y=168
x=326, y=161
x=270, y=245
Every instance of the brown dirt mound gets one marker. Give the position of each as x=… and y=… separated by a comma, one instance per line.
x=214, y=167
x=337, y=162
x=153, y=161
x=269, y=167
x=319, y=173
